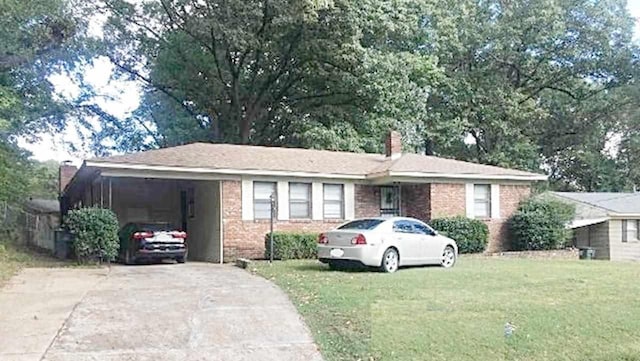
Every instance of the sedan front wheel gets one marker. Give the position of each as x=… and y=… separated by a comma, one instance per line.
x=448, y=257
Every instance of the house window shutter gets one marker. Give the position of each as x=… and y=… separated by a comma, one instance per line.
x=624, y=230
x=349, y=201
x=470, y=204
x=283, y=200
x=495, y=201
x=247, y=200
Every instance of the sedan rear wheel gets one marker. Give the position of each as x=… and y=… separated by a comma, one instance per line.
x=129, y=258
x=448, y=257
x=390, y=261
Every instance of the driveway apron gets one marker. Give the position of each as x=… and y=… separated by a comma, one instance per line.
x=194, y=311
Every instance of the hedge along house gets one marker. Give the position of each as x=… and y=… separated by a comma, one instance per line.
x=607, y=222
x=219, y=193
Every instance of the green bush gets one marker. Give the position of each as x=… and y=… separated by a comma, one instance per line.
x=540, y=224
x=290, y=245
x=471, y=235
x=95, y=234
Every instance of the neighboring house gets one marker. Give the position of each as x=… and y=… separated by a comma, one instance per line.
x=41, y=219
x=220, y=193
x=607, y=222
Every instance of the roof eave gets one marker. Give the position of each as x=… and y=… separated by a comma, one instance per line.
x=464, y=176
x=221, y=171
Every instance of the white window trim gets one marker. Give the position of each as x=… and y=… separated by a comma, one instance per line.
x=253, y=204
x=342, y=201
x=494, y=201
x=309, y=200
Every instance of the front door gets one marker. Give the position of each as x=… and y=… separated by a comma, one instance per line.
x=389, y=201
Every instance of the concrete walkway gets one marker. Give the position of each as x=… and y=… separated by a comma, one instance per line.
x=194, y=311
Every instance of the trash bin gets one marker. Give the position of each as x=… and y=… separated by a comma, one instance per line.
x=62, y=243
x=587, y=253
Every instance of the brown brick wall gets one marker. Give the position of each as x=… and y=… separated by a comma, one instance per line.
x=424, y=201
x=510, y=198
x=246, y=238
x=416, y=200
x=447, y=200
x=367, y=201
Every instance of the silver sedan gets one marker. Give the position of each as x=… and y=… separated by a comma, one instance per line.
x=387, y=243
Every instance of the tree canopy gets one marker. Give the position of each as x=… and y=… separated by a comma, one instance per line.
x=541, y=85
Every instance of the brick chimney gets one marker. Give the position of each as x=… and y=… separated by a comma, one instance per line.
x=65, y=174
x=393, y=145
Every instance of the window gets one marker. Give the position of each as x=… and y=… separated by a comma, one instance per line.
x=389, y=201
x=363, y=224
x=300, y=200
x=630, y=229
x=482, y=200
x=333, y=201
x=262, y=192
x=420, y=228
x=403, y=227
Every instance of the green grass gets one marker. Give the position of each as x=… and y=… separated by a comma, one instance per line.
x=13, y=258
x=563, y=310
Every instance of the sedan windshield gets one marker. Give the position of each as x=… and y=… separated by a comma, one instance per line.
x=363, y=224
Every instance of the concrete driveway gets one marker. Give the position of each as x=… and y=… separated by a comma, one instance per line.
x=194, y=311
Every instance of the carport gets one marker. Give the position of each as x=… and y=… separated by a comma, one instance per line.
x=189, y=202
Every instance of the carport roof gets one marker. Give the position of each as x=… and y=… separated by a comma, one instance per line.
x=259, y=159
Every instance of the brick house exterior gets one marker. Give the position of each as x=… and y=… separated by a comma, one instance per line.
x=216, y=191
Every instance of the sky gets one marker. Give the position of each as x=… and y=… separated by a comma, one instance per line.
x=120, y=99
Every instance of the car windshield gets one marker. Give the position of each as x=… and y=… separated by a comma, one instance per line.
x=364, y=224
x=154, y=227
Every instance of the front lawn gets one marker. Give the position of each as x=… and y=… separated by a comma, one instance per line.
x=13, y=258
x=563, y=310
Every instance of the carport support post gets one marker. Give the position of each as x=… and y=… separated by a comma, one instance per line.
x=272, y=199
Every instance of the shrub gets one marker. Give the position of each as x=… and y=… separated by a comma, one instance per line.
x=291, y=245
x=540, y=224
x=95, y=234
x=471, y=235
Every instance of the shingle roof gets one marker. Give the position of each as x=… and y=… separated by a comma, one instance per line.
x=247, y=158
x=622, y=203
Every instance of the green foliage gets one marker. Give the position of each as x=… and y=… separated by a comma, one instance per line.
x=471, y=235
x=528, y=84
x=322, y=74
x=540, y=224
x=290, y=245
x=95, y=234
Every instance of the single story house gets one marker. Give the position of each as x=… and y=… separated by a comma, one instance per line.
x=219, y=193
x=607, y=222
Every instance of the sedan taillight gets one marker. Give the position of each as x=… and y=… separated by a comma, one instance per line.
x=178, y=234
x=323, y=239
x=142, y=235
x=359, y=239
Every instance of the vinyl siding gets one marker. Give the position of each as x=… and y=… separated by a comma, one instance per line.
x=629, y=251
